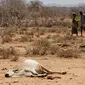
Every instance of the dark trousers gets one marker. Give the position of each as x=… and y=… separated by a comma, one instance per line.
x=75, y=29
x=81, y=29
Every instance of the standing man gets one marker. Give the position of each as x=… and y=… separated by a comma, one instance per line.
x=75, y=21
x=82, y=21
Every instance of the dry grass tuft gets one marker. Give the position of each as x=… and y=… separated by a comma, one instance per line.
x=52, y=30
x=7, y=34
x=6, y=39
x=41, y=47
x=23, y=38
x=68, y=53
x=42, y=31
x=67, y=39
x=53, y=49
x=8, y=53
x=63, y=23
x=13, y=52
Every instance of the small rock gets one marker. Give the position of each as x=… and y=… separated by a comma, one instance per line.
x=4, y=69
x=63, y=73
x=71, y=78
x=15, y=81
x=50, y=77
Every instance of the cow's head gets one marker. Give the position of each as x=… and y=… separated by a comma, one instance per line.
x=11, y=73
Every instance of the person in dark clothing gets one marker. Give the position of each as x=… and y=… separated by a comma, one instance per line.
x=75, y=24
x=82, y=22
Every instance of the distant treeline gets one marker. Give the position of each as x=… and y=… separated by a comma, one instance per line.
x=35, y=13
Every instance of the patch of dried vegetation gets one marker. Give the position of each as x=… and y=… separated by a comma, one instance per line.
x=41, y=47
x=68, y=53
x=8, y=53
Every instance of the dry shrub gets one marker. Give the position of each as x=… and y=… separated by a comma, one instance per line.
x=6, y=38
x=8, y=53
x=49, y=36
x=63, y=24
x=13, y=53
x=5, y=53
x=20, y=32
x=27, y=35
x=37, y=34
x=51, y=30
x=55, y=38
x=30, y=33
x=82, y=50
x=60, y=30
x=62, y=18
x=23, y=29
x=42, y=31
x=8, y=31
x=38, y=31
x=28, y=51
x=82, y=46
x=1, y=52
x=7, y=34
x=24, y=38
x=36, y=51
x=42, y=42
x=41, y=47
x=15, y=58
x=53, y=49
x=68, y=53
x=66, y=38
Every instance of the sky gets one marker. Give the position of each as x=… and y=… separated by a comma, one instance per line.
x=62, y=2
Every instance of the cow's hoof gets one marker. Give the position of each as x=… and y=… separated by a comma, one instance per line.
x=63, y=73
x=50, y=77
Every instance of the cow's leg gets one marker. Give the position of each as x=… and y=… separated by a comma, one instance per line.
x=36, y=74
x=28, y=74
x=20, y=72
x=33, y=73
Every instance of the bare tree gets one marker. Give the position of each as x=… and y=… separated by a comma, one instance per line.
x=13, y=11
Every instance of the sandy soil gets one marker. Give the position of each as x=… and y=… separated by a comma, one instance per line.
x=75, y=69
